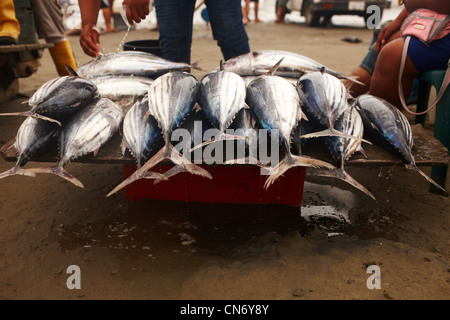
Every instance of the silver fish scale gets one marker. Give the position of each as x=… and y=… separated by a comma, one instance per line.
x=389, y=120
x=222, y=95
x=259, y=62
x=134, y=127
x=279, y=103
x=56, y=91
x=170, y=99
x=129, y=63
x=330, y=93
x=90, y=129
x=352, y=125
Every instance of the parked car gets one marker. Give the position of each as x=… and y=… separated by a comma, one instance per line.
x=321, y=11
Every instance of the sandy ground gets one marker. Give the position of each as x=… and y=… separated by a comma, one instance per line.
x=135, y=250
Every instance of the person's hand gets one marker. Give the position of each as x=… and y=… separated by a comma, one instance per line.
x=136, y=10
x=90, y=40
x=386, y=33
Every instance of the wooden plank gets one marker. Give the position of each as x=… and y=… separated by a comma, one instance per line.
x=24, y=47
x=427, y=151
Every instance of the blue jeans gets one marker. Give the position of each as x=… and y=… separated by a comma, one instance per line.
x=175, y=22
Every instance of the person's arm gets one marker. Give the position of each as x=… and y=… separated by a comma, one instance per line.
x=90, y=37
x=440, y=6
x=136, y=10
x=390, y=29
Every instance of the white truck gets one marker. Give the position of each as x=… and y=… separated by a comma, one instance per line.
x=318, y=12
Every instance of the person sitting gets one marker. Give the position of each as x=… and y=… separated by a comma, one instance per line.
x=421, y=57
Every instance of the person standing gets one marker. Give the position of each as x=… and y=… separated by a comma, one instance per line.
x=175, y=24
x=49, y=25
x=9, y=25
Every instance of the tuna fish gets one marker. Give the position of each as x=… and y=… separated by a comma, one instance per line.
x=385, y=125
x=276, y=106
x=342, y=148
x=32, y=137
x=122, y=87
x=293, y=66
x=85, y=133
x=324, y=100
x=143, y=138
x=171, y=98
x=221, y=96
x=135, y=63
x=59, y=98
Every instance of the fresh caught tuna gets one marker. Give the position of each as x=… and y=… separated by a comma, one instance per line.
x=134, y=63
x=59, y=98
x=276, y=106
x=86, y=132
x=32, y=137
x=122, y=87
x=293, y=66
x=324, y=100
x=342, y=148
x=385, y=125
x=221, y=96
x=143, y=138
x=171, y=98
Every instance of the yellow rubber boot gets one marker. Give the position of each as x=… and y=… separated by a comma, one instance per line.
x=9, y=25
x=62, y=54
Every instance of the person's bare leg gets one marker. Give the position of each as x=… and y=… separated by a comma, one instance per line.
x=385, y=76
x=362, y=75
x=256, y=8
x=245, y=12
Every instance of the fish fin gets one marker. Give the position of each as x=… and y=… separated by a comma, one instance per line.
x=351, y=78
x=195, y=66
x=60, y=172
x=170, y=173
x=344, y=176
x=219, y=137
x=134, y=177
x=157, y=158
x=221, y=65
x=96, y=152
x=245, y=106
x=415, y=168
x=332, y=132
x=16, y=171
x=275, y=67
x=246, y=160
x=30, y=114
x=71, y=71
x=294, y=161
x=179, y=159
x=362, y=151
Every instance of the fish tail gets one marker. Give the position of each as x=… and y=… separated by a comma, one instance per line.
x=179, y=159
x=134, y=177
x=294, y=161
x=195, y=66
x=58, y=171
x=344, y=176
x=16, y=171
x=415, y=168
x=157, y=158
x=30, y=114
x=181, y=168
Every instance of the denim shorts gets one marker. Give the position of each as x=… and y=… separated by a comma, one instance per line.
x=369, y=61
x=434, y=55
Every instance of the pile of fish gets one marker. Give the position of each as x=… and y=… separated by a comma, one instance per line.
x=295, y=100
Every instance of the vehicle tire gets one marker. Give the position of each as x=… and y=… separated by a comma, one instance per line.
x=311, y=18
